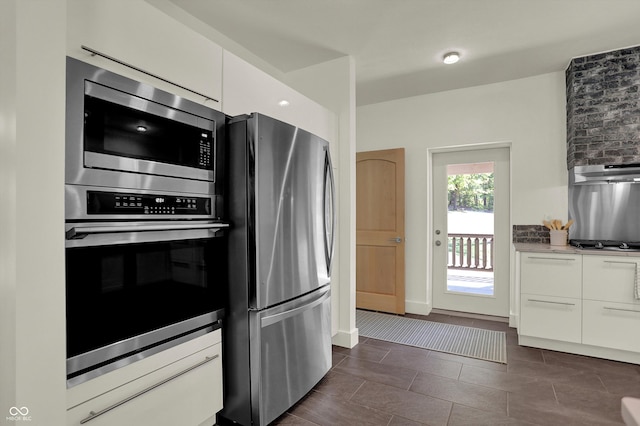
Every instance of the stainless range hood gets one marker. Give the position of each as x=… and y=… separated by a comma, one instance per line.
x=605, y=212
x=604, y=173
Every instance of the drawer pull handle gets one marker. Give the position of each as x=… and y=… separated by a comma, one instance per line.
x=551, y=258
x=620, y=309
x=94, y=414
x=553, y=303
x=617, y=261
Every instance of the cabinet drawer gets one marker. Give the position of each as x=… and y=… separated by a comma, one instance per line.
x=548, y=317
x=611, y=325
x=186, y=392
x=610, y=278
x=557, y=275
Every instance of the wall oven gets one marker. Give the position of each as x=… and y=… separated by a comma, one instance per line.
x=136, y=288
x=144, y=221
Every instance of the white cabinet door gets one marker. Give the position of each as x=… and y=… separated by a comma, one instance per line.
x=186, y=392
x=552, y=274
x=137, y=33
x=610, y=278
x=611, y=325
x=549, y=317
x=248, y=89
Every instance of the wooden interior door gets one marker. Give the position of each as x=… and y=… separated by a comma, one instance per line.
x=380, y=230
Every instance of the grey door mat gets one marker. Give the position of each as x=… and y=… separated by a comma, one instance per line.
x=488, y=345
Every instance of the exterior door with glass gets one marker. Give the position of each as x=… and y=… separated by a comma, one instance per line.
x=471, y=231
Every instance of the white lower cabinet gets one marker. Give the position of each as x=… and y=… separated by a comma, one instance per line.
x=549, y=317
x=580, y=303
x=551, y=274
x=187, y=391
x=550, y=302
x=610, y=278
x=611, y=316
x=611, y=325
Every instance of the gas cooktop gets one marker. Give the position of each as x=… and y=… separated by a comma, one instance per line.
x=607, y=245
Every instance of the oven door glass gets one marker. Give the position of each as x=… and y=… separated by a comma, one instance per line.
x=116, y=292
x=126, y=132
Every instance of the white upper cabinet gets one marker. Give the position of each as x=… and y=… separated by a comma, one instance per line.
x=138, y=34
x=248, y=89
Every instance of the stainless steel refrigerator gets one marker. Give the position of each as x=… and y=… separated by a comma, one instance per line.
x=277, y=335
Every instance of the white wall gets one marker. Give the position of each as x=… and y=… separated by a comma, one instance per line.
x=527, y=113
x=32, y=319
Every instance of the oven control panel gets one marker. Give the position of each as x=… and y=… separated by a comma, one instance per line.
x=121, y=203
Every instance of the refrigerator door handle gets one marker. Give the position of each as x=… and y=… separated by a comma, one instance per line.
x=329, y=210
x=272, y=319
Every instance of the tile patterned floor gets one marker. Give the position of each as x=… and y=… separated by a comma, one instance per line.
x=381, y=383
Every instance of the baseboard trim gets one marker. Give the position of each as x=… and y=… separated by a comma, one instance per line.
x=418, y=308
x=581, y=349
x=346, y=339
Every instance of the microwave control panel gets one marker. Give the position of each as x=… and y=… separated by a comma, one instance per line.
x=205, y=151
x=121, y=203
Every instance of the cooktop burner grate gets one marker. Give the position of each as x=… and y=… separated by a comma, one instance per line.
x=608, y=245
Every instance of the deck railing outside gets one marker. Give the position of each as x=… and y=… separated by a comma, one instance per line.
x=470, y=251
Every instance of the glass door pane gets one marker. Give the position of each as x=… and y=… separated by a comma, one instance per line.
x=470, y=228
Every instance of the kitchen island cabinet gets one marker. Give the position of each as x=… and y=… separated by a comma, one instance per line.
x=578, y=301
x=181, y=385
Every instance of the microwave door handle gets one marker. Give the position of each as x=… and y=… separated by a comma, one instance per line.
x=80, y=231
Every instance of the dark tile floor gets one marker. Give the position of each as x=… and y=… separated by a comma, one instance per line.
x=381, y=383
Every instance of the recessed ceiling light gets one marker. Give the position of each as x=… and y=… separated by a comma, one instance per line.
x=141, y=129
x=451, y=58
x=283, y=103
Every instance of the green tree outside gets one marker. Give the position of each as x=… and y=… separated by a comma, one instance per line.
x=471, y=192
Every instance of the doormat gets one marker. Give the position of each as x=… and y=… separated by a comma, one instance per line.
x=488, y=345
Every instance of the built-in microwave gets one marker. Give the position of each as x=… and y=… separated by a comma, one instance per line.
x=124, y=133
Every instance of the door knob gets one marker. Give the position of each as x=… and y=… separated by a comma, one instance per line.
x=396, y=240
x=438, y=243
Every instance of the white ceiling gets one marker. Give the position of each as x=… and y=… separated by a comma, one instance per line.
x=398, y=44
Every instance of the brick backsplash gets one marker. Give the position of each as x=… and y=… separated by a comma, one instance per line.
x=603, y=108
x=530, y=234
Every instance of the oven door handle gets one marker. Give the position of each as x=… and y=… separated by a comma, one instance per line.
x=81, y=231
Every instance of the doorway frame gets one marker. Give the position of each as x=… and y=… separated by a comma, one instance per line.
x=430, y=225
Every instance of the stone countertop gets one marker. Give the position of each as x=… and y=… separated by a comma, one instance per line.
x=568, y=249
